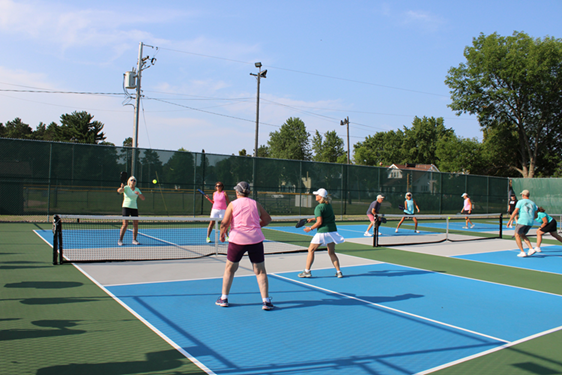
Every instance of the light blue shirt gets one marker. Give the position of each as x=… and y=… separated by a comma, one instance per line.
x=540, y=216
x=409, y=209
x=527, y=209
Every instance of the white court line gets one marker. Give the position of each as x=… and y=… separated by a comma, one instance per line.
x=393, y=309
x=145, y=322
x=465, y=359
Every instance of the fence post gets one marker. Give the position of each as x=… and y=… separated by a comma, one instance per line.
x=49, y=186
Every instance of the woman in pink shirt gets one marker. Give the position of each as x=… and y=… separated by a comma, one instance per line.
x=220, y=201
x=467, y=209
x=245, y=217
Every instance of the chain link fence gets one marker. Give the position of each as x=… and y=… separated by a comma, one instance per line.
x=47, y=178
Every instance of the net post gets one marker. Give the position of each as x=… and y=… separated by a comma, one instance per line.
x=447, y=230
x=217, y=230
x=501, y=225
x=56, y=237
x=376, y=230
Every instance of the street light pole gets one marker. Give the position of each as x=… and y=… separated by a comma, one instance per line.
x=259, y=76
x=346, y=122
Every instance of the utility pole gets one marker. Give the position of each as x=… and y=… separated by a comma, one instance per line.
x=259, y=76
x=346, y=122
x=137, y=85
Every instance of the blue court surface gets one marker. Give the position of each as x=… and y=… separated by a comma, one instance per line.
x=548, y=260
x=378, y=319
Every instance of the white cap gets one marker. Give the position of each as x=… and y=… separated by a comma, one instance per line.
x=321, y=192
x=380, y=196
x=463, y=194
x=408, y=193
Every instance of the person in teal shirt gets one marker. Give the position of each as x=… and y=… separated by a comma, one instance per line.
x=326, y=233
x=526, y=209
x=547, y=225
x=409, y=205
x=130, y=195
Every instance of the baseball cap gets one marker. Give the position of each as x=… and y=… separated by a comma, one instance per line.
x=321, y=192
x=242, y=187
x=464, y=194
x=380, y=196
x=525, y=192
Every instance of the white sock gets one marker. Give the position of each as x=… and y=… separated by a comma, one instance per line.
x=267, y=299
x=307, y=271
x=224, y=296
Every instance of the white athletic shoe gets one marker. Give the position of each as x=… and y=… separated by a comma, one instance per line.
x=120, y=243
x=521, y=254
x=538, y=249
x=464, y=227
x=417, y=231
x=531, y=252
x=367, y=234
x=471, y=226
x=396, y=231
x=380, y=234
x=135, y=242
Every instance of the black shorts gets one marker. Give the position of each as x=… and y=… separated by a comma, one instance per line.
x=235, y=252
x=126, y=211
x=466, y=212
x=550, y=227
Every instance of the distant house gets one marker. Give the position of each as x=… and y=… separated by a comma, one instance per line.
x=419, y=177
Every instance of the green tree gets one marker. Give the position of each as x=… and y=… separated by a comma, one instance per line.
x=420, y=141
x=263, y=151
x=383, y=148
x=513, y=82
x=17, y=129
x=291, y=141
x=459, y=155
x=128, y=142
x=78, y=127
x=329, y=148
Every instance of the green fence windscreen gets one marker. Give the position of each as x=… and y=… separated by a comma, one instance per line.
x=38, y=177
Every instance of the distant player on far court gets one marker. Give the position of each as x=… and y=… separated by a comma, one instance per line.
x=511, y=208
x=467, y=209
x=220, y=202
x=548, y=225
x=326, y=234
x=373, y=210
x=409, y=205
x=526, y=209
x=130, y=194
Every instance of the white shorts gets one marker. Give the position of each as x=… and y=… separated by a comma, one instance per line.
x=217, y=214
x=326, y=238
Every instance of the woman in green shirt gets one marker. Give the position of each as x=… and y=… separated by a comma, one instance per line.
x=130, y=194
x=326, y=234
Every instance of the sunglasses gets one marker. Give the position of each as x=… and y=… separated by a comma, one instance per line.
x=133, y=180
x=218, y=185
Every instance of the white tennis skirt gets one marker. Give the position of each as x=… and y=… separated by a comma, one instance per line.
x=217, y=214
x=326, y=238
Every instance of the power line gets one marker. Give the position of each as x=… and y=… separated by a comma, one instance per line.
x=309, y=73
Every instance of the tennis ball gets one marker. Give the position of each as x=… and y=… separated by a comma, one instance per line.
x=154, y=181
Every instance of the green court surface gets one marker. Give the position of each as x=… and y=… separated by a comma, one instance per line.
x=54, y=320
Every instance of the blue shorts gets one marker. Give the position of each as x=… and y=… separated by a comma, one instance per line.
x=236, y=252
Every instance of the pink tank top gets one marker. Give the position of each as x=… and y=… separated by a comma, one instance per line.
x=467, y=205
x=245, y=226
x=220, y=200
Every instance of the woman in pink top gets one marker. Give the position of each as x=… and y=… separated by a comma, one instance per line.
x=245, y=217
x=467, y=209
x=220, y=201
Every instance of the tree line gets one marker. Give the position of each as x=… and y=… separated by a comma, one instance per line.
x=512, y=84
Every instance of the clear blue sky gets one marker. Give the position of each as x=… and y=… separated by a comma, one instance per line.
x=379, y=62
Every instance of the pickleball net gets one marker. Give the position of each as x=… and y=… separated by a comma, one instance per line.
x=438, y=228
x=87, y=238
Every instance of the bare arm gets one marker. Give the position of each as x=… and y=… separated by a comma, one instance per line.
x=264, y=216
x=514, y=214
x=315, y=225
x=121, y=189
